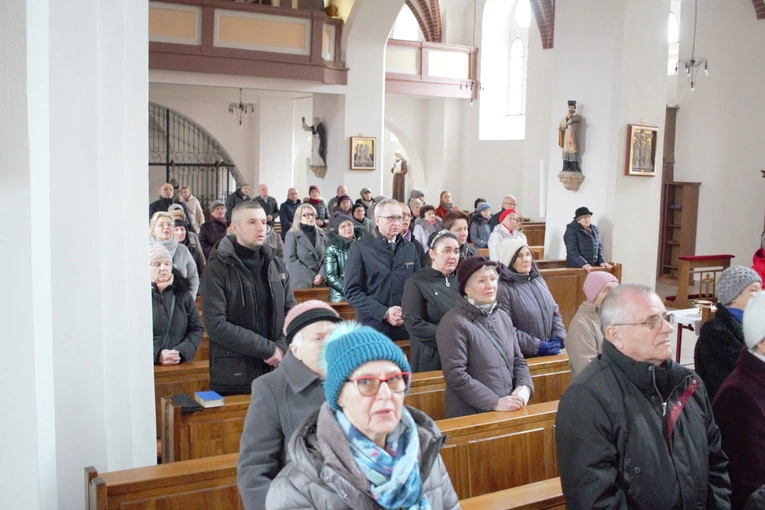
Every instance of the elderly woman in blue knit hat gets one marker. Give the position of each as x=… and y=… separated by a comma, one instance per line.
x=722, y=338
x=364, y=448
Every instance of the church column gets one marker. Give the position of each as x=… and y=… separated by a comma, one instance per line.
x=275, y=156
x=75, y=301
x=611, y=57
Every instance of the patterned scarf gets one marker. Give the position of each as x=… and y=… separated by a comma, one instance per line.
x=393, y=472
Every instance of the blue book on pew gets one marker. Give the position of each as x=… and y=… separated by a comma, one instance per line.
x=208, y=399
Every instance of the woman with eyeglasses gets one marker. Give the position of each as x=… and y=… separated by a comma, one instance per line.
x=364, y=448
x=483, y=365
x=320, y=206
x=524, y=296
x=162, y=231
x=428, y=294
x=304, y=247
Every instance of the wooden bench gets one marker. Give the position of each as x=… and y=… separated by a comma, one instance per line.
x=175, y=379
x=544, y=495
x=535, y=233
x=693, y=264
x=537, y=252
x=319, y=293
x=217, y=431
x=484, y=453
x=567, y=287
x=203, y=353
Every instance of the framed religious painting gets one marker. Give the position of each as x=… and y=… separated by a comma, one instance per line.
x=641, y=150
x=363, y=153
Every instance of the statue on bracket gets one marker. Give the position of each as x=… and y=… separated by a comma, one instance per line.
x=399, y=170
x=318, y=147
x=571, y=141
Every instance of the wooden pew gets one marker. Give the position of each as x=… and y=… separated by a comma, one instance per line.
x=203, y=353
x=198, y=484
x=404, y=344
x=175, y=379
x=535, y=233
x=484, y=453
x=320, y=293
x=344, y=310
x=494, y=451
x=544, y=495
x=566, y=286
x=217, y=431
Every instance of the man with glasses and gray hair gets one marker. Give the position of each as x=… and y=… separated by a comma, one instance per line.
x=376, y=269
x=635, y=429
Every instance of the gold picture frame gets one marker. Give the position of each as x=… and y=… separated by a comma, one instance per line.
x=363, y=153
x=641, y=150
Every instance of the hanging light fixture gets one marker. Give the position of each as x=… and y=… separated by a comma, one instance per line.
x=241, y=109
x=692, y=65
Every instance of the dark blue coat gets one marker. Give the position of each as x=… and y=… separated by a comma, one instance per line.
x=582, y=247
x=375, y=275
x=287, y=215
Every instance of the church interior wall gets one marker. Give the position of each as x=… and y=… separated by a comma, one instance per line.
x=719, y=135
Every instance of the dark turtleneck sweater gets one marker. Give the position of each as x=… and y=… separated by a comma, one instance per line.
x=310, y=231
x=257, y=264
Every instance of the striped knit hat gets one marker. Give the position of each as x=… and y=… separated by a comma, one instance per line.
x=347, y=348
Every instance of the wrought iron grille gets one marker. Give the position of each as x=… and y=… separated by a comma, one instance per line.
x=190, y=155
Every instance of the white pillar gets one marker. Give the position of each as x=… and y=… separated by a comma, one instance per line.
x=611, y=57
x=75, y=301
x=275, y=117
x=364, y=39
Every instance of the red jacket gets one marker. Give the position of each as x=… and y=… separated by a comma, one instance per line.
x=758, y=263
x=441, y=212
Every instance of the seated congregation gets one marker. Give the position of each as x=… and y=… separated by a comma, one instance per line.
x=321, y=430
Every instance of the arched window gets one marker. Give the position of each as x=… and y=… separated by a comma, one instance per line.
x=406, y=27
x=673, y=32
x=673, y=38
x=523, y=13
x=516, y=80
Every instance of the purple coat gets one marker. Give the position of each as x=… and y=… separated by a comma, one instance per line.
x=210, y=233
x=739, y=410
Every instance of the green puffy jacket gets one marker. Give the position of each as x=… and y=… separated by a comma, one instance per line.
x=334, y=264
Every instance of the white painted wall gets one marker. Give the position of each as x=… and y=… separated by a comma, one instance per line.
x=276, y=145
x=719, y=141
x=77, y=133
x=612, y=63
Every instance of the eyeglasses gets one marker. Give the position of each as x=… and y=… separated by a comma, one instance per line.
x=309, y=215
x=368, y=385
x=393, y=219
x=654, y=323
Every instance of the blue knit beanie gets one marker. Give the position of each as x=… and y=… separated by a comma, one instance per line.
x=347, y=348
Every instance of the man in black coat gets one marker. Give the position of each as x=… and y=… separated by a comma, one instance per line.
x=287, y=211
x=245, y=296
x=235, y=198
x=508, y=202
x=268, y=203
x=376, y=270
x=214, y=229
x=635, y=429
x=165, y=200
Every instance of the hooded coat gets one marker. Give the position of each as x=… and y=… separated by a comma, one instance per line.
x=324, y=474
x=528, y=302
x=477, y=374
x=304, y=259
x=237, y=348
x=186, y=329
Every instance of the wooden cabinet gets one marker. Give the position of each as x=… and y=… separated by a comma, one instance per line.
x=680, y=203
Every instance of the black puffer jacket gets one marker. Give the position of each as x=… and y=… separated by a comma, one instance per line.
x=716, y=352
x=612, y=431
x=237, y=348
x=186, y=329
x=582, y=247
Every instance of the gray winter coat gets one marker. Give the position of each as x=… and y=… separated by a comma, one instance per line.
x=281, y=400
x=526, y=298
x=476, y=373
x=323, y=474
x=428, y=295
x=304, y=260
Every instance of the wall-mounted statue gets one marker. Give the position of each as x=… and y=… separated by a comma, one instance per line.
x=399, y=170
x=570, y=138
x=318, y=146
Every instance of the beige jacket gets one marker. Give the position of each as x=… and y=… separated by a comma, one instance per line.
x=196, y=215
x=584, y=340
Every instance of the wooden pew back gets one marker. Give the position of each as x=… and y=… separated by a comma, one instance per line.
x=172, y=380
x=217, y=431
x=567, y=287
x=544, y=495
x=494, y=451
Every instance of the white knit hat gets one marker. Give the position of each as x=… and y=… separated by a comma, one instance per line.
x=754, y=320
x=507, y=249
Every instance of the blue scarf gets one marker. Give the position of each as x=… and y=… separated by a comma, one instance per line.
x=393, y=471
